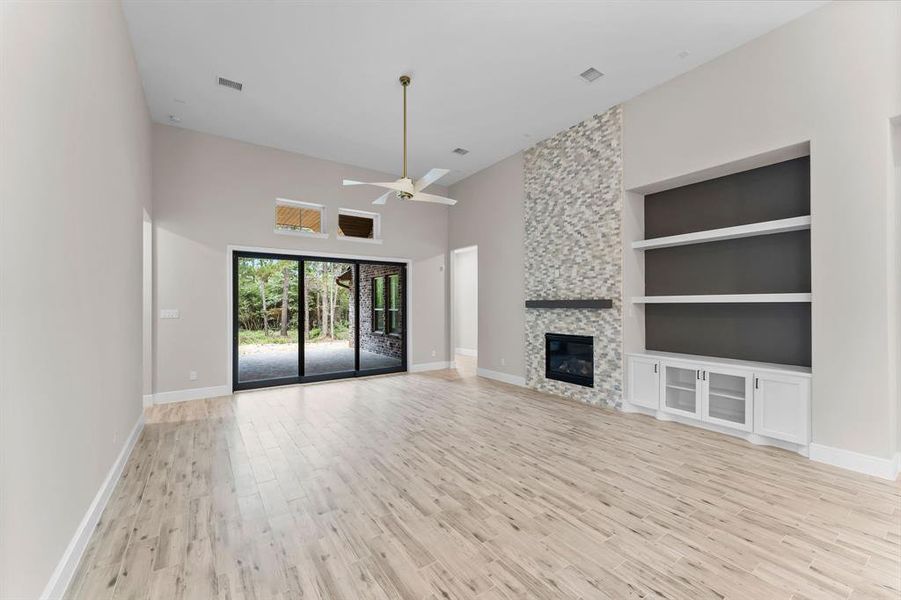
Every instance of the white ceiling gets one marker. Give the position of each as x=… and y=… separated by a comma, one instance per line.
x=493, y=77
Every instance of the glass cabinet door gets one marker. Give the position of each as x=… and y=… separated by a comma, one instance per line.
x=728, y=398
x=679, y=389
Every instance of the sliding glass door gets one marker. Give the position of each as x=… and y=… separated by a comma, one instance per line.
x=328, y=347
x=382, y=317
x=266, y=311
x=298, y=319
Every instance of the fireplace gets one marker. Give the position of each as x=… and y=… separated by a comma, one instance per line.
x=569, y=358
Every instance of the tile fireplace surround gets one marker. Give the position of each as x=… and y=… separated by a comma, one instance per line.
x=573, y=250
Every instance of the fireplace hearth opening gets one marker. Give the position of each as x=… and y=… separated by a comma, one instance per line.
x=569, y=358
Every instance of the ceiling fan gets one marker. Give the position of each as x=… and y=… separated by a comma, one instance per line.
x=405, y=188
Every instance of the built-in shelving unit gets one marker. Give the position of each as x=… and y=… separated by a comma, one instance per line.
x=726, y=233
x=721, y=298
x=726, y=304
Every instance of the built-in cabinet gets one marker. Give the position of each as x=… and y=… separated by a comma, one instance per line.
x=771, y=401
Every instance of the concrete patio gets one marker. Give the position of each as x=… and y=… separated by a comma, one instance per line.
x=273, y=362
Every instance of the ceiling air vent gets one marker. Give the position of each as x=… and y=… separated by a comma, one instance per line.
x=460, y=151
x=230, y=84
x=591, y=74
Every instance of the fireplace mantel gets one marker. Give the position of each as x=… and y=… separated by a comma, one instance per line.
x=594, y=304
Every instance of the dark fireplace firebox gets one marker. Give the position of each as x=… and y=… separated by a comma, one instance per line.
x=569, y=358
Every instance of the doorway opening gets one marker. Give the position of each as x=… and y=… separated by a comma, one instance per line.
x=465, y=309
x=298, y=319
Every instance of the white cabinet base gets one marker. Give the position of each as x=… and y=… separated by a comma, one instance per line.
x=762, y=403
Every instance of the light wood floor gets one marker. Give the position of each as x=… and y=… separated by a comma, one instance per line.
x=436, y=486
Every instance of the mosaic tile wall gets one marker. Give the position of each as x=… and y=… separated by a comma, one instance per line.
x=573, y=249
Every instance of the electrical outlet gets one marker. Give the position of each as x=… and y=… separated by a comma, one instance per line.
x=169, y=313
x=434, y=353
x=503, y=362
x=192, y=375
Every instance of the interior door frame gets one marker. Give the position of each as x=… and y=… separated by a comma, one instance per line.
x=235, y=252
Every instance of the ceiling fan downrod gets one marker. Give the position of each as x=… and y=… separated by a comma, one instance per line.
x=405, y=81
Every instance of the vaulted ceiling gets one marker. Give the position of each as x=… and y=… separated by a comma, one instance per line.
x=320, y=78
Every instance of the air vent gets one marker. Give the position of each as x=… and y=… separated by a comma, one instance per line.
x=460, y=151
x=591, y=74
x=231, y=84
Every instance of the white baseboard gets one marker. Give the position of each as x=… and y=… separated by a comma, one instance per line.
x=432, y=366
x=191, y=394
x=884, y=468
x=148, y=400
x=65, y=569
x=505, y=377
x=466, y=351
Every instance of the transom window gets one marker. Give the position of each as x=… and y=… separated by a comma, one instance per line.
x=359, y=225
x=299, y=218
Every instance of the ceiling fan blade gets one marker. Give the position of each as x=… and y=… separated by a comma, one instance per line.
x=401, y=185
x=382, y=199
x=423, y=197
x=430, y=178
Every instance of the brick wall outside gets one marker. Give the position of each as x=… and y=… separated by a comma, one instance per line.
x=387, y=345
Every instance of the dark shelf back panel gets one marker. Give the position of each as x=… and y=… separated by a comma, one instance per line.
x=767, y=264
x=769, y=193
x=770, y=264
x=774, y=333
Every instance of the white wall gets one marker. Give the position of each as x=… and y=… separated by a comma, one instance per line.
x=894, y=273
x=465, y=303
x=831, y=77
x=211, y=192
x=489, y=214
x=75, y=139
x=147, y=306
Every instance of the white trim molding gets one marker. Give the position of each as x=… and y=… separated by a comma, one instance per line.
x=147, y=400
x=466, y=352
x=432, y=366
x=65, y=569
x=884, y=468
x=504, y=377
x=191, y=394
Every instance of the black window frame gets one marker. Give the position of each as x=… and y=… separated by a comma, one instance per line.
x=389, y=300
x=375, y=310
x=358, y=370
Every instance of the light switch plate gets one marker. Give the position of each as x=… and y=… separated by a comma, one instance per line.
x=169, y=313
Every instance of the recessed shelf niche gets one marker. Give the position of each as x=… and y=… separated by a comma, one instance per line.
x=727, y=266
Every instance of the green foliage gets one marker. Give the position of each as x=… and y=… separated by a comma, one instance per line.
x=263, y=281
x=258, y=336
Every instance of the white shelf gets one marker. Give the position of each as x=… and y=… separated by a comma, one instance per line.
x=724, y=393
x=684, y=388
x=721, y=298
x=712, y=362
x=726, y=233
